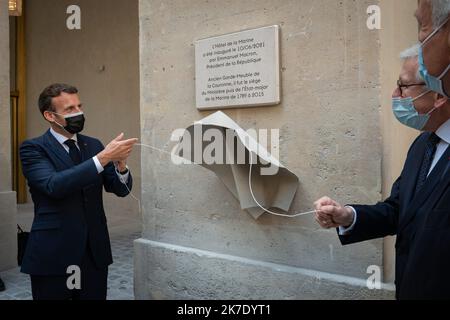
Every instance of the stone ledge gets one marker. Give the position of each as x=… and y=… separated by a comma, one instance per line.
x=165, y=271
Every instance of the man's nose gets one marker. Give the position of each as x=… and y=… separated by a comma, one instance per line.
x=396, y=93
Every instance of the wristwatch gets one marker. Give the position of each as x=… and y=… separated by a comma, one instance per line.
x=124, y=171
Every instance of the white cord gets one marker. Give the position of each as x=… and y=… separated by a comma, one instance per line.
x=125, y=183
x=249, y=185
x=267, y=210
x=129, y=191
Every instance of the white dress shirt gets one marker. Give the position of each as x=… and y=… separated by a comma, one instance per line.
x=444, y=133
x=61, y=139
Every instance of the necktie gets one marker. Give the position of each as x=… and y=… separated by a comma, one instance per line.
x=74, y=153
x=430, y=150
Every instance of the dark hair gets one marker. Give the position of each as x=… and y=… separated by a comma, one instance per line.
x=52, y=91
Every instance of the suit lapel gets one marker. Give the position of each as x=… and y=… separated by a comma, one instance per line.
x=436, y=178
x=84, y=148
x=412, y=168
x=57, y=149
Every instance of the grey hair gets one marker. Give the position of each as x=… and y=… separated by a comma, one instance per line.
x=440, y=11
x=412, y=53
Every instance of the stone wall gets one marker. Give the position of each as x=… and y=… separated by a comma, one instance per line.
x=330, y=137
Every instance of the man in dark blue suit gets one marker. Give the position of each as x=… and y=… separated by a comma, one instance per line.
x=418, y=209
x=69, y=243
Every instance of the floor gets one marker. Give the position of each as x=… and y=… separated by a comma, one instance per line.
x=120, y=278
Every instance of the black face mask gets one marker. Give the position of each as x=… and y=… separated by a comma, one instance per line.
x=74, y=123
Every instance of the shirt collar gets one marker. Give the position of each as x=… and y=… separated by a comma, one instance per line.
x=61, y=139
x=444, y=131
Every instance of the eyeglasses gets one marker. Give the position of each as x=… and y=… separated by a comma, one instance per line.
x=400, y=85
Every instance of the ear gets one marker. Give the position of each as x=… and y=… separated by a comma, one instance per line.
x=439, y=101
x=49, y=116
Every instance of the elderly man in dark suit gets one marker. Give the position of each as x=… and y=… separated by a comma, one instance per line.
x=66, y=172
x=418, y=209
